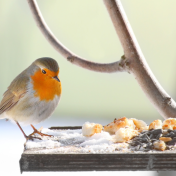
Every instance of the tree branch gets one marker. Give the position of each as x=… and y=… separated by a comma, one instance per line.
x=133, y=61
x=105, y=67
x=136, y=61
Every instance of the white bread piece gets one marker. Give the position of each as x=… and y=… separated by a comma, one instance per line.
x=169, y=123
x=140, y=125
x=125, y=134
x=156, y=124
x=89, y=129
x=119, y=123
x=144, y=128
x=159, y=145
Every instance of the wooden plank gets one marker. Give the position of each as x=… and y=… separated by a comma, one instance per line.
x=65, y=128
x=98, y=162
x=142, y=161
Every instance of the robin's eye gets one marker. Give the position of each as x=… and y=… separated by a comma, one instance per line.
x=43, y=71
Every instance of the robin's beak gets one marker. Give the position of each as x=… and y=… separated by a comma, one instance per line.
x=56, y=78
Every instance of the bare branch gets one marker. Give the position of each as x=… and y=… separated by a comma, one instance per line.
x=136, y=61
x=109, y=67
x=133, y=61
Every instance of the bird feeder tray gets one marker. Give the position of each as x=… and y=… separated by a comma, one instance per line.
x=35, y=160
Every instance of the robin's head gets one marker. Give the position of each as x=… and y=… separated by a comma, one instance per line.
x=48, y=67
x=45, y=79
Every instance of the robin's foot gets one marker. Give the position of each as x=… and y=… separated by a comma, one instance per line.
x=38, y=132
x=30, y=137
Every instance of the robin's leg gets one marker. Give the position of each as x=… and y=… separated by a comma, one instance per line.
x=27, y=137
x=38, y=132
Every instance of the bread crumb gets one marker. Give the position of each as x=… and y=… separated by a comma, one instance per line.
x=156, y=124
x=89, y=129
x=159, y=145
x=119, y=123
x=169, y=123
x=125, y=134
x=140, y=125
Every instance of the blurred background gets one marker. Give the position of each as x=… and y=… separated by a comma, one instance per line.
x=84, y=26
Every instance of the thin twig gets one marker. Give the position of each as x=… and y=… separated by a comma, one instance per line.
x=105, y=67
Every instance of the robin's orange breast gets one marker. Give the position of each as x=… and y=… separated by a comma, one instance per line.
x=45, y=86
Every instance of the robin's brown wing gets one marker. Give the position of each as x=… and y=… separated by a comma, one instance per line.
x=15, y=91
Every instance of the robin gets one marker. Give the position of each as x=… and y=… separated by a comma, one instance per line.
x=33, y=95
